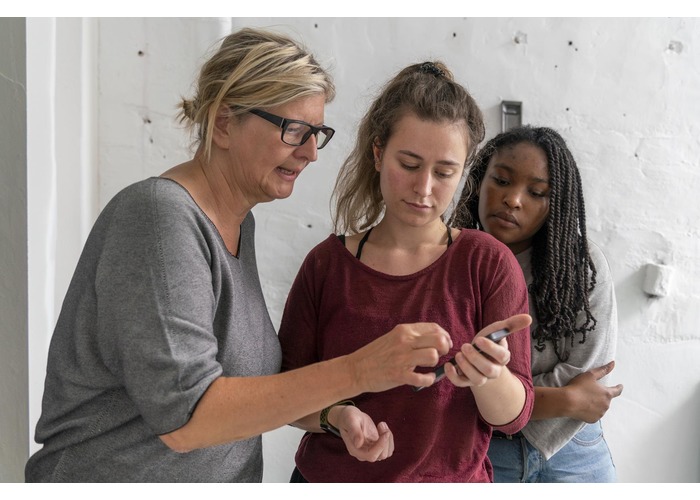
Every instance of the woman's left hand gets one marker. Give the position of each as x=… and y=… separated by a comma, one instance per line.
x=363, y=440
x=474, y=367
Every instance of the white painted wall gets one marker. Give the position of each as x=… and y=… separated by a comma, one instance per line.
x=624, y=92
x=62, y=172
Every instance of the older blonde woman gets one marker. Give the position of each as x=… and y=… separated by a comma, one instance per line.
x=163, y=364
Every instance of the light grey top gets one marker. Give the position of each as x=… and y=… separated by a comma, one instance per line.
x=156, y=311
x=550, y=435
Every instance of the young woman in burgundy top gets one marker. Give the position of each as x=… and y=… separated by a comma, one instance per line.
x=400, y=262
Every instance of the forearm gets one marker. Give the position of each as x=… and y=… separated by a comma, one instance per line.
x=238, y=408
x=500, y=400
x=583, y=398
x=551, y=402
x=233, y=409
x=311, y=423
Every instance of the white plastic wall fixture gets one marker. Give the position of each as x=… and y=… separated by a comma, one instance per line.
x=657, y=280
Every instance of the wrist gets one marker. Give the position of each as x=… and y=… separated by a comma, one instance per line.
x=568, y=402
x=329, y=417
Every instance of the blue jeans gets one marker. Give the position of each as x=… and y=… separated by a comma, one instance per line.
x=584, y=459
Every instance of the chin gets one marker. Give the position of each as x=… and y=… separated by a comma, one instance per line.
x=281, y=195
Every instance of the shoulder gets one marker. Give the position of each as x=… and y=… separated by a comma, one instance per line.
x=152, y=192
x=600, y=261
x=478, y=251
x=154, y=208
x=331, y=247
x=596, y=253
x=480, y=242
x=324, y=256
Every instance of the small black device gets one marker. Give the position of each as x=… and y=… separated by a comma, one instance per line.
x=440, y=371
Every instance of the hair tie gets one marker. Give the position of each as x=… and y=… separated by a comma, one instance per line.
x=429, y=67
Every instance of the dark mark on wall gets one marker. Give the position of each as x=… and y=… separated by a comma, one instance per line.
x=520, y=37
x=675, y=46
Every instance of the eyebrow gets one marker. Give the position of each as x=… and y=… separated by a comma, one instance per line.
x=512, y=170
x=448, y=163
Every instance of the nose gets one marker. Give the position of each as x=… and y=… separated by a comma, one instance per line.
x=512, y=198
x=307, y=151
x=423, y=185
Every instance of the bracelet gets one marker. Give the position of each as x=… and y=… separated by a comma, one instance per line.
x=325, y=424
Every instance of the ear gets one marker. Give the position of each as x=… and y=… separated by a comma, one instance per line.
x=221, y=134
x=377, y=150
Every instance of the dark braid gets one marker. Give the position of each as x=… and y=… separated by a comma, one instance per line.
x=563, y=273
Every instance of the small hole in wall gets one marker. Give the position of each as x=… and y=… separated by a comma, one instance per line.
x=309, y=226
x=315, y=25
x=567, y=109
x=140, y=53
x=675, y=46
x=454, y=35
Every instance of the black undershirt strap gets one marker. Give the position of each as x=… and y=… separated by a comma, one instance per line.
x=364, y=240
x=362, y=243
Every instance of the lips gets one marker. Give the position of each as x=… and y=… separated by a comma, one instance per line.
x=288, y=173
x=420, y=206
x=506, y=217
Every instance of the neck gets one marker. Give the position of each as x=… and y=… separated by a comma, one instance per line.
x=409, y=237
x=211, y=190
x=225, y=207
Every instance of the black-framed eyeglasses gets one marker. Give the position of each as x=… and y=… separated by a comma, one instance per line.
x=297, y=132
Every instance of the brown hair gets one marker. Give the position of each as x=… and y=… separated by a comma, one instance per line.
x=429, y=91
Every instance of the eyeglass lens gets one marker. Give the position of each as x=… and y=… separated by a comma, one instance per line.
x=296, y=134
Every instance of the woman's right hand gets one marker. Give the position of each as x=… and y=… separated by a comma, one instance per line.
x=391, y=360
x=589, y=399
x=363, y=439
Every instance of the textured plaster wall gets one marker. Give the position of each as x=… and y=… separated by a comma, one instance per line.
x=625, y=93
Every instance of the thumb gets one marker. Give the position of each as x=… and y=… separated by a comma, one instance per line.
x=616, y=390
x=602, y=371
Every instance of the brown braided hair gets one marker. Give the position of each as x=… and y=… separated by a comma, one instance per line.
x=563, y=273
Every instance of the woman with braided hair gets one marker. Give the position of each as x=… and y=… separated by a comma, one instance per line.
x=524, y=188
x=401, y=262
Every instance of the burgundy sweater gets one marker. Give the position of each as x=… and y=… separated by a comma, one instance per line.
x=337, y=305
